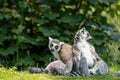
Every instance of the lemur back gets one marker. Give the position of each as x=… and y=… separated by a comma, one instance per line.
x=64, y=62
x=60, y=50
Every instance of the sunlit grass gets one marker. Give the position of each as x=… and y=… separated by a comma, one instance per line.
x=114, y=68
x=12, y=74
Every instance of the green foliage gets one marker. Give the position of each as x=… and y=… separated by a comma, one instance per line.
x=26, y=25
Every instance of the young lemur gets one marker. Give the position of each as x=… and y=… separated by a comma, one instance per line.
x=86, y=60
x=63, y=54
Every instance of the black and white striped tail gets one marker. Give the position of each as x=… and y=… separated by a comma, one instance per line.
x=116, y=74
x=36, y=70
x=41, y=70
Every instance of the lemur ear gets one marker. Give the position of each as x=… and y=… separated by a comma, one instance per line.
x=61, y=43
x=50, y=39
x=83, y=30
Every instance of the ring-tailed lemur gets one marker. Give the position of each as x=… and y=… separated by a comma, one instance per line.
x=82, y=49
x=64, y=55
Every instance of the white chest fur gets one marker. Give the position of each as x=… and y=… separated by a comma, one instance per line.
x=85, y=52
x=56, y=54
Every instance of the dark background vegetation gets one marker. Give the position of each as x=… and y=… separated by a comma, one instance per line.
x=25, y=26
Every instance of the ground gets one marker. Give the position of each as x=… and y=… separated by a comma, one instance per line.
x=12, y=74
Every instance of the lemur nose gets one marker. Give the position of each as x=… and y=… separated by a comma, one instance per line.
x=119, y=48
x=52, y=50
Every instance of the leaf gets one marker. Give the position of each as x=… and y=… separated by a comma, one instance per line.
x=45, y=31
x=19, y=29
x=106, y=1
x=16, y=15
x=51, y=16
x=65, y=19
x=107, y=27
x=65, y=39
x=40, y=38
x=109, y=33
x=91, y=23
x=70, y=19
x=59, y=0
x=41, y=21
x=66, y=1
x=10, y=50
x=45, y=57
x=7, y=16
x=67, y=32
x=94, y=2
x=1, y=16
x=31, y=40
x=116, y=36
x=24, y=46
x=2, y=38
x=25, y=61
x=98, y=41
x=49, y=32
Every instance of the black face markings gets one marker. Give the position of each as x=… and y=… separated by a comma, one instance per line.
x=51, y=45
x=76, y=37
x=56, y=47
x=119, y=48
x=83, y=31
x=52, y=50
x=88, y=35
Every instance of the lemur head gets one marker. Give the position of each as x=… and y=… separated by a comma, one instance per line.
x=55, y=45
x=82, y=34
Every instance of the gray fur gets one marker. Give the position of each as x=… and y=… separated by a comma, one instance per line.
x=63, y=55
x=116, y=74
x=64, y=52
x=36, y=70
x=58, y=69
x=52, y=59
x=84, y=67
x=100, y=67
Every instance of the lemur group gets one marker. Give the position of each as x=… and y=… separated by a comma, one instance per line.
x=77, y=60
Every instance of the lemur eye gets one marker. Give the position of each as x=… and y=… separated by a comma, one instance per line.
x=77, y=37
x=87, y=34
x=51, y=45
x=83, y=31
x=56, y=47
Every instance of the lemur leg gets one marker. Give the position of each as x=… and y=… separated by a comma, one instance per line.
x=84, y=67
x=94, y=69
x=52, y=59
x=100, y=68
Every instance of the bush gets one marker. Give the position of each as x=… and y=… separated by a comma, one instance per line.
x=27, y=24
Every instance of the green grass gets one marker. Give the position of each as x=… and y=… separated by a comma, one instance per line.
x=12, y=74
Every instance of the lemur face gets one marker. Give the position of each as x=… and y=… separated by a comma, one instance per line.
x=54, y=45
x=82, y=34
